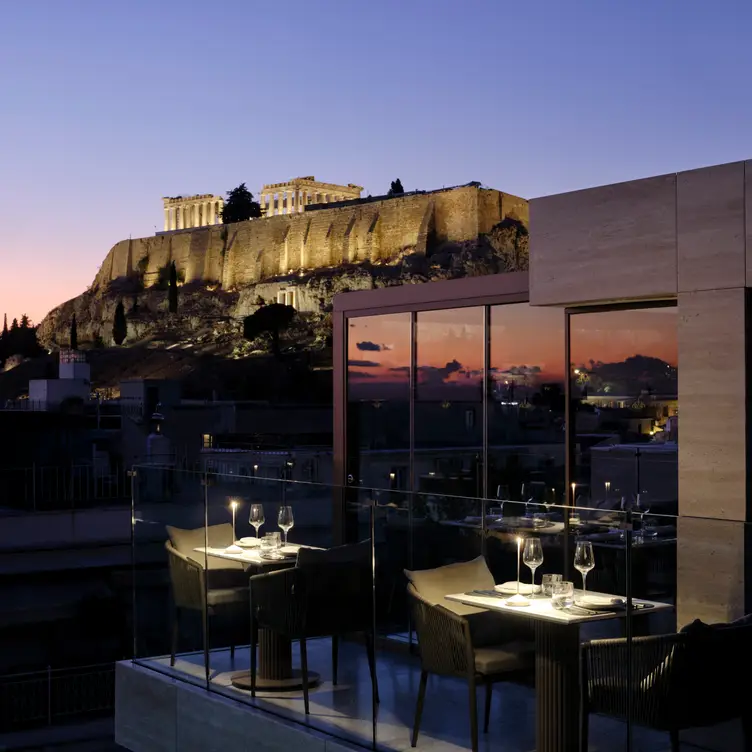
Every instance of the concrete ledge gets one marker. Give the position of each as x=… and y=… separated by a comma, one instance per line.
x=155, y=713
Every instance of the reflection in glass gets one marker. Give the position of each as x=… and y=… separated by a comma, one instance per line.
x=526, y=403
x=449, y=401
x=378, y=415
x=624, y=396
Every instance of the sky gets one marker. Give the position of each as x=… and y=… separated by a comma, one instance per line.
x=105, y=107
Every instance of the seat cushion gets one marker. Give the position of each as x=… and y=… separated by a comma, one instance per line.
x=502, y=659
x=219, y=536
x=434, y=584
x=227, y=596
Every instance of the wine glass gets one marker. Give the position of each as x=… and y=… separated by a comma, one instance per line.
x=285, y=520
x=256, y=517
x=642, y=507
x=502, y=495
x=532, y=555
x=549, y=499
x=584, y=560
x=527, y=497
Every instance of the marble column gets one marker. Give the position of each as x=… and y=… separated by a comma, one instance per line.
x=178, y=217
x=304, y=202
x=166, y=220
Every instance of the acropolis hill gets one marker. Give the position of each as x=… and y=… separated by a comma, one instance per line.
x=307, y=253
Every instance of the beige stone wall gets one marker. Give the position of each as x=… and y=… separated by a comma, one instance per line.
x=247, y=252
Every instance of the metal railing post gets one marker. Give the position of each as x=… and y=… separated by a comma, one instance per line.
x=49, y=695
x=34, y=486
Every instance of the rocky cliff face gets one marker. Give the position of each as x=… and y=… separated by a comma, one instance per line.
x=207, y=310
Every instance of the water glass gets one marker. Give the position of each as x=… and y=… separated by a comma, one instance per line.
x=549, y=580
x=563, y=594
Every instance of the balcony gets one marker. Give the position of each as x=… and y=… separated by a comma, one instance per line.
x=651, y=564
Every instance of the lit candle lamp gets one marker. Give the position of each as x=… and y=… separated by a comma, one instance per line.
x=518, y=599
x=234, y=548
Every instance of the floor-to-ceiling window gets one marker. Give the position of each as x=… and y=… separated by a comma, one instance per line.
x=623, y=381
x=526, y=405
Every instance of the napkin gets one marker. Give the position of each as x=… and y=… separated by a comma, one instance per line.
x=510, y=588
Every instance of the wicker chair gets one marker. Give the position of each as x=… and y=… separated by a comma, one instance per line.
x=327, y=594
x=207, y=585
x=466, y=642
x=679, y=681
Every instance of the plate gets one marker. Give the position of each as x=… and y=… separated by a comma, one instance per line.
x=600, y=602
x=248, y=542
x=510, y=588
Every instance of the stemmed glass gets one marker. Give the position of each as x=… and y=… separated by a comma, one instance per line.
x=502, y=494
x=532, y=555
x=584, y=560
x=256, y=517
x=642, y=507
x=285, y=520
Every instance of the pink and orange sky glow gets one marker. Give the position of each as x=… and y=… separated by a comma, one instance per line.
x=107, y=107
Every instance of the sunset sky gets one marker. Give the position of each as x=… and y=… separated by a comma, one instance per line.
x=107, y=107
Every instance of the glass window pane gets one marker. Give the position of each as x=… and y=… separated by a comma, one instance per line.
x=526, y=436
x=378, y=415
x=449, y=401
x=624, y=396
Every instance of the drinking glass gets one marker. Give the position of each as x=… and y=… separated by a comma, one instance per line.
x=584, y=560
x=642, y=507
x=532, y=556
x=549, y=499
x=563, y=594
x=285, y=520
x=549, y=580
x=502, y=494
x=256, y=517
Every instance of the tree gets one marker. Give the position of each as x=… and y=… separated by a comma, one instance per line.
x=119, y=325
x=25, y=322
x=14, y=325
x=396, y=188
x=271, y=319
x=5, y=324
x=73, y=333
x=172, y=292
x=240, y=206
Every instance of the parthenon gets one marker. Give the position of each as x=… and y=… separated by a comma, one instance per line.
x=184, y=212
x=294, y=195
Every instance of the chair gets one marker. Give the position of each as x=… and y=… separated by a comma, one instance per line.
x=327, y=594
x=679, y=681
x=466, y=642
x=207, y=585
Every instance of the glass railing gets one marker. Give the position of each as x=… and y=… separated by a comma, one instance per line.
x=406, y=596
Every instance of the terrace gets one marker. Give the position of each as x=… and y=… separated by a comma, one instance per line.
x=481, y=425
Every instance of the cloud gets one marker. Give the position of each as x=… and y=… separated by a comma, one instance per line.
x=358, y=375
x=363, y=363
x=401, y=369
x=368, y=346
x=433, y=376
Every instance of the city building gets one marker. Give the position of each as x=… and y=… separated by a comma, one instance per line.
x=472, y=416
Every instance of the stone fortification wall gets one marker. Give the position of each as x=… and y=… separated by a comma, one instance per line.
x=245, y=253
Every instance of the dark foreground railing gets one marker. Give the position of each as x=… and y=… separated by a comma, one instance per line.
x=45, y=698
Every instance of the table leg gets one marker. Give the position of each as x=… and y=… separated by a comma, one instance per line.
x=275, y=672
x=557, y=655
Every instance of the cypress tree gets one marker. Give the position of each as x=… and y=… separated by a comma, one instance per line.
x=5, y=324
x=73, y=333
x=172, y=292
x=119, y=325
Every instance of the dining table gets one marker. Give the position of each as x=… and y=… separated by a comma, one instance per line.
x=275, y=671
x=557, y=651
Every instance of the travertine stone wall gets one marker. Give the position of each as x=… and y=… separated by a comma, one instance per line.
x=248, y=252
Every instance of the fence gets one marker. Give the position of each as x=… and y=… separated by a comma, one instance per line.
x=62, y=488
x=46, y=698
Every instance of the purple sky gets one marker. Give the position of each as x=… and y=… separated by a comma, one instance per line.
x=107, y=106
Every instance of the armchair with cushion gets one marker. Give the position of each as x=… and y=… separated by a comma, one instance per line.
x=691, y=679
x=205, y=584
x=327, y=594
x=463, y=641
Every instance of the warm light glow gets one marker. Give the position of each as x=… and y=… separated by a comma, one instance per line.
x=234, y=505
